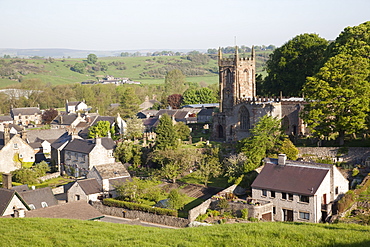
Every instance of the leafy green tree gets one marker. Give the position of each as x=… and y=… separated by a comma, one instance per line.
x=209, y=166
x=288, y=148
x=206, y=95
x=128, y=152
x=176, y=200
x=132, y=190
x=24, y=176
x=190, y=96
x=129, y=102
x=234, y=166
x=79, y=68
x=290, y=64
x=266, y=138
x=135, y=128
x=174, y=82
x=182, y=130
x=338, y=97
x=166, y=137
x=41, y=169
x=100, y=129
x=92, y=58
x=175, y=163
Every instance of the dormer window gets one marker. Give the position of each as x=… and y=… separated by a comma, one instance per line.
x=44, y=204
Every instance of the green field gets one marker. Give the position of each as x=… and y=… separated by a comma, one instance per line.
x=148, y=70
x=63, y=232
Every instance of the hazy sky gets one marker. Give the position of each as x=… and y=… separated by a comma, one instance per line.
x=171, y=24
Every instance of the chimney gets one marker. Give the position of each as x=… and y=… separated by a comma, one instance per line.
x=19, y=213
x=6, y=134
x=282, y=159
x=7, y=181
x=98, y=141
x=24, y=135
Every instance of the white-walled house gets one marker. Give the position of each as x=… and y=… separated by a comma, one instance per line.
x=299, y=191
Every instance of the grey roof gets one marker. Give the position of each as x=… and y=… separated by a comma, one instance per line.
x=37, y=196
x=35, y=145
x=210, y=105
x=73, y=103
x=177, y=114
x=20, y=188
x=25, y=111
x=90, y=186
x=79, y=210
x=302, y=180
x=205, y=112
x=85, y=146
x=65, y=119
x=6, y=196
x=6, y=118
x=118, y=181
x=94, y=120
x=112, y=170
x=61, y=141
x=46, y=134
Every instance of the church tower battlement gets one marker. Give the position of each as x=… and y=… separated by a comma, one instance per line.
x=236, y=79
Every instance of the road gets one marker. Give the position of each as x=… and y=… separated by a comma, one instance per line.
x=119, y=220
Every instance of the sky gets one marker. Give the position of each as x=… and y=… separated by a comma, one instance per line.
x=109, y=25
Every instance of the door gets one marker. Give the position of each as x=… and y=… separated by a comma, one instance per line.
x=288, y=215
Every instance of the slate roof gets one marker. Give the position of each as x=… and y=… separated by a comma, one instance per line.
x=6, y=118
x=119, y=181
x=79, y=210
x=46, y=134
x=85, y=146
x=20, y=188
x=37, y=196
x=205, y=112
x=61, y=141
x=25, y=111
x=302, y=180
x=112, y=170
x=90, y=186
x=178, y=114
x=210, y=105
x=65, y=119
x=5, y=197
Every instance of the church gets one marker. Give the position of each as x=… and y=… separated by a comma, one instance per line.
x=240, y=108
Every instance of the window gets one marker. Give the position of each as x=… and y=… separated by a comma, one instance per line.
x=264, y=192
x=304, y=199
x=304, y=215
x=68, y=155
x=290, y=197
x=337, y=190
x=272, y=194
x=15, y=145
x=77, y=197
x=44, y=204
x=283, y=195
x=32, y=207
x=274, y=210
x=21, y=156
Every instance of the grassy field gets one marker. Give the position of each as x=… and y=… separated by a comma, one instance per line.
x=57, y=71
x=62, y=232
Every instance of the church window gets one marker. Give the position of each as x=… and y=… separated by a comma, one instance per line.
x=244, y=118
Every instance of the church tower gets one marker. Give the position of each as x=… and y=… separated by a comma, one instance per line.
x=236, y=79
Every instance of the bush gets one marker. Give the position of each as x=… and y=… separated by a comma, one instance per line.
x=202, y=217
x=139, y=207
x=244, y=212
x=252, y=219
x=355, y=172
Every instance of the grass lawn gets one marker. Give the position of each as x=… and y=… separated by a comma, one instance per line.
x=63, y=232
x=54, y=182
x=193, y=178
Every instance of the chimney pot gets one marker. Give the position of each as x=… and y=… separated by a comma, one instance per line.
x=282, y=159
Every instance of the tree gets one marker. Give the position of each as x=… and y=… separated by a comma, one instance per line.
x=100, y=129
x=175, y=163
x=79, y=68
x=92, y=58
x=129, y=102
x=288, y=148
x=182, y=130
x=209, y=166
x=135, y=128
x=49, y=115
x=290, y=64
x=265, y=140
x=206, y=96
x=174, y=82
x=174, y=100
x=234, y=165
x=190, y=96
x=166, y=136
x=176, y=200
x=128, y=152
x=338, y=97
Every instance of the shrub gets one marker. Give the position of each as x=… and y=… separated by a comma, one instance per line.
x=202, y=217
x=355, y=172
x=252, y=219
x=139, y=207
x=244, y=212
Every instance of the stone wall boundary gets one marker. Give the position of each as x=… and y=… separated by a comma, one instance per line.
x=198, y=210
x=49, y=176
x=140, y=215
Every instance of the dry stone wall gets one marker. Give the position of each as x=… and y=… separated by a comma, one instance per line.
x=144, y=216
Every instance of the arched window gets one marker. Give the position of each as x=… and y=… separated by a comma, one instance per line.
x=286, y=125
x=220, y=131
x=244, y=118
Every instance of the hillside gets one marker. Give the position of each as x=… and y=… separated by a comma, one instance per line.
x=152, y=69
x=63, y=232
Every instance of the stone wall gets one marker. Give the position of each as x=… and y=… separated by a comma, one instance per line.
x=355, y=155
x=144, y=216
x=49, y=176
x=198, y=210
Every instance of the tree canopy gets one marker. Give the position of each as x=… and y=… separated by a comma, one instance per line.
x=92, y=58
x=174, y=82
x=100, y=129
x=290, y=64
x=166, y=135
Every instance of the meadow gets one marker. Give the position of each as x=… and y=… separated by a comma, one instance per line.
x=65, y=232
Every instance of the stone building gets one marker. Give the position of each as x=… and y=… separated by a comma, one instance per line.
x=241, y=109
x=299, y=191
x=26, y=116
